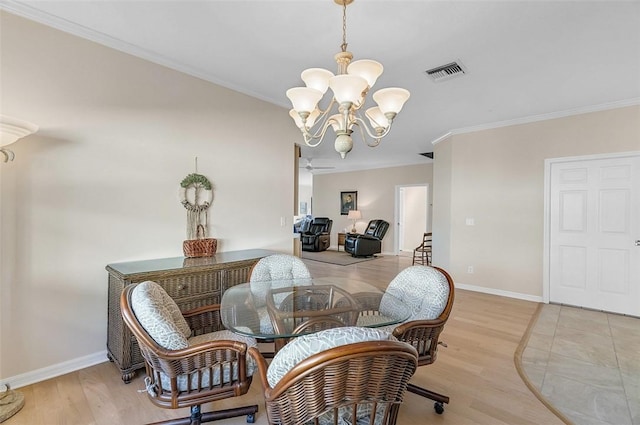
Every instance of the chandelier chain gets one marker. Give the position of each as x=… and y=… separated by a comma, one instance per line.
x=344, y=26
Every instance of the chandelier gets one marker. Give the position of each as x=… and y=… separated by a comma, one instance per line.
x=350, y=87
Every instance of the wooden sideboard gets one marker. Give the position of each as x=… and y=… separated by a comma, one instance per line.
x=191, y=282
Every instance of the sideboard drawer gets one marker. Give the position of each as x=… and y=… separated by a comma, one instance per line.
x=196, y=284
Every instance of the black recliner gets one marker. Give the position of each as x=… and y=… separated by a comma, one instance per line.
x=318, y=237
x=369, y=243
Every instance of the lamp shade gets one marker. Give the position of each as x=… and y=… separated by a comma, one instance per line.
x=311, y=119
x=368, y=69
x=347, y=88
x=354, y=215
x=304, y=99
x=391, y=99
x=377, y=118
x=317, y=78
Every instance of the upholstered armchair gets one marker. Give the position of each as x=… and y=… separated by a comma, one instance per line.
x=344, y=375
x=429, y=292
x=317, y=238
x=367, y=243
x=190, y=359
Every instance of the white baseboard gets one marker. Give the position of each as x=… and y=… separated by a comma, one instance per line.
x=52, y=371
x=500, y=292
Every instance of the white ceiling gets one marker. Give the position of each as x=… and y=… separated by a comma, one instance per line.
x=524, y=59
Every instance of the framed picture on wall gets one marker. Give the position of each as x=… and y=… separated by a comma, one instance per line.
x=348, y=201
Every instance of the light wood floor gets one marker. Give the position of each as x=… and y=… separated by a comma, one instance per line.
x=476, y=370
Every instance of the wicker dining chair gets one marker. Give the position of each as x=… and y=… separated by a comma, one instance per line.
x=190, y=359
x=344, y=375
x=422, y=253
x=266, y=273
x=429, y=293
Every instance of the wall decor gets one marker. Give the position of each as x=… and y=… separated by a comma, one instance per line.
x=348, y=201
x=196, y=195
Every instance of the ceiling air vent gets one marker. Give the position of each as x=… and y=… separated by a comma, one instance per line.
x=446, y=72
x=427, y=154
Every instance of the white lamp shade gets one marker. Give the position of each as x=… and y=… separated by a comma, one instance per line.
x=377, y=118
x=368, y=69
x=347, y=88
x=12, y=129
x=311, y=119
x=354, y=215
x=317, y=78
x=304, y=99
x=391, y=99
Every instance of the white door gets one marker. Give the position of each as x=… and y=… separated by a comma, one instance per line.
x=594, y=232
x=411, y=216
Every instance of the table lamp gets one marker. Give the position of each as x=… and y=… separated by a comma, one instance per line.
x=354, y=215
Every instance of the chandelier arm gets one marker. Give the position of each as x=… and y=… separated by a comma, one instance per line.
x=319, y=132
x=308, y=137
x=377, y=136
x=362, y=135
x=321, y=122
x=357, y=105
x=326, y=111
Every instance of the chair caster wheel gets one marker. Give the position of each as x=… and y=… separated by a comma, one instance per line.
x=251, y=418
x=439, y=408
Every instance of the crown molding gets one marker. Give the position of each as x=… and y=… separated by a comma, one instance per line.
x=541, y=117
x=36, y=15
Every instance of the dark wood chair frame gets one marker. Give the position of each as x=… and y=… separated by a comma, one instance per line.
x=422, y=253
x=197, y=359
x=345, y=376
x=424, y=335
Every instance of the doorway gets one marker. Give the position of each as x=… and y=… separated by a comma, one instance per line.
x=593, y=220
x=412, y=213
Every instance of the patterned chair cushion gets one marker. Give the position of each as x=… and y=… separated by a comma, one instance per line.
x=307, y=345
x=160, y=316
x=273, y=268
x=362, y=417
x=423, y=288
x=213, y=377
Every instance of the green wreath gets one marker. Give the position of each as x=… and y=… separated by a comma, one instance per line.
x=196, y=179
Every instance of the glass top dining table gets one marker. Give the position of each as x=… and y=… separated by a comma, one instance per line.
x=275, y=309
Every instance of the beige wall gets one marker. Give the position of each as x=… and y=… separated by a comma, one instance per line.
x=496, y=177
x=99, y=182
x=376, y=196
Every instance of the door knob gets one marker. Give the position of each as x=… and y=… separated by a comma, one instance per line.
x=637, y=243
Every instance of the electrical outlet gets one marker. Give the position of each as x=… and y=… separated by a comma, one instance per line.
x=470, y=269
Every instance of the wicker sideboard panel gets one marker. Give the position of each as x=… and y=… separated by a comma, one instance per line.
x=194, y=290
x=190, y=284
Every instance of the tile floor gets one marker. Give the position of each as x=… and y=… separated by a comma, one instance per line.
x=586, y=364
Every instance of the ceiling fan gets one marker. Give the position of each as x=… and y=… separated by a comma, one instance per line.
x=310, y=167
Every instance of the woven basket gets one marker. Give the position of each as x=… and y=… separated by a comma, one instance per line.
x=201, y=247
